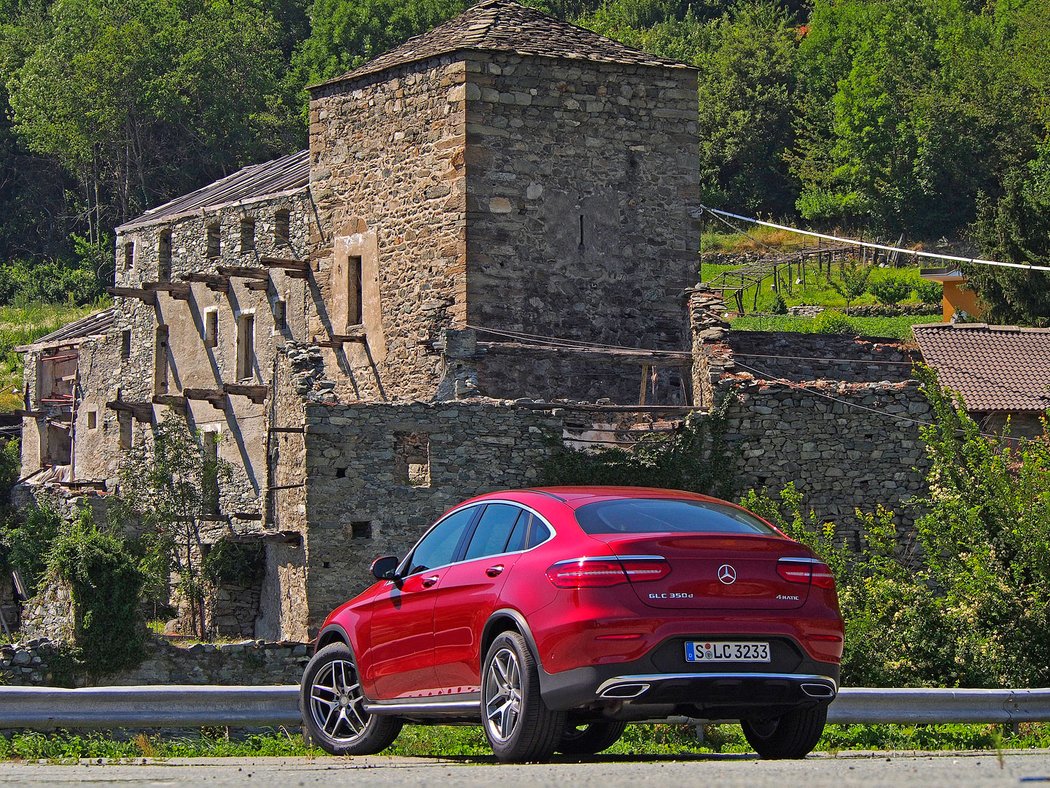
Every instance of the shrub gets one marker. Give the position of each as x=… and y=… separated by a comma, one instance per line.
x=890, y=290
x=831, y=322
x=106, y=583
x=928, y=292
x=27, y=544
x=779, y=305
x=230, y=562
x=852, y=282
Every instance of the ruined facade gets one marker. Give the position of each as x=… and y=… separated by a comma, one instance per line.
x=347, y=326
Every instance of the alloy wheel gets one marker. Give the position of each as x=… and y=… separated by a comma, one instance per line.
x=503, y=694
x=335, y=701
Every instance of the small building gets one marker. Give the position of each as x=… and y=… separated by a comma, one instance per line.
x=958, y=297
x=1001, y=372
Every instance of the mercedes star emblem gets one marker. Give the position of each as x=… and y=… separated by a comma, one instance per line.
x=727, y=574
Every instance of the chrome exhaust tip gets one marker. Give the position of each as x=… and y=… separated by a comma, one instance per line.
x=624, y=691
x=822, y=691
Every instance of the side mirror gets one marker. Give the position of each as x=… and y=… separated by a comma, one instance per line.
x=385, y=567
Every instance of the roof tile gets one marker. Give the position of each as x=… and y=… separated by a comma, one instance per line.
x=994, y=368
x=505, y=26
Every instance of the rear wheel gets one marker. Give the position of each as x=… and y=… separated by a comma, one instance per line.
x=517, y=722
x=590, y=738
x=792, y=735
x=332, y=705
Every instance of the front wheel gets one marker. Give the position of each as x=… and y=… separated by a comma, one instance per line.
x=517, y=722
x=792, y=735
x=332, y=705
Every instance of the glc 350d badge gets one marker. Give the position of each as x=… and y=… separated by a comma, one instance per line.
x=727, y=574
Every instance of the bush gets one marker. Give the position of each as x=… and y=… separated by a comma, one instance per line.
x=890, y=290
x=106, y=583
x=966, y=602
x=928, y=292
x=27, y=544
x=779, y=305
x=831, y=322
x=234, y=563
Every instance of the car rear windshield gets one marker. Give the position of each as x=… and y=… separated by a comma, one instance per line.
x=654, y=515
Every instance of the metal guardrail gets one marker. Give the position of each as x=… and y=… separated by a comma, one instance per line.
x=45, y=708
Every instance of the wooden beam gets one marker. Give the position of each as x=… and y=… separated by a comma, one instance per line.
x=214, y=282
x=255, y=393
x=243, y=272
x=177, y=290
x=146, y=296
x=352, y=335
x=216, y=397
x=298, y=269
x=258, y=284
x=142, y=411
x=171, y=400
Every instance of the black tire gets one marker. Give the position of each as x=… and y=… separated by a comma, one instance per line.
x=517, y=722
x=793, y=735
x=590, y=738
x=330, y=701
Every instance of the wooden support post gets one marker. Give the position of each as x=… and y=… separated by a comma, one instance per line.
x=740, y=301
x=645, y=383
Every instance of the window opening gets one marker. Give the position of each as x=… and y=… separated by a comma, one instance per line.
x=247, y=235
x=92, y=419
x=129, y=255
x=245, y=346
x=125, y=344
x=361, y=530
x=581, y=230
x=161, y=354
x=280, y=315
x=164, y=256
x=281, y=221
x=354, y=310
x=412, y=458
x=210, y=474
x=211, y=327
x=214, y=241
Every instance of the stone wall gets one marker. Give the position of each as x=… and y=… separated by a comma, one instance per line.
x=49, y=614
x=801, y=357
x=845, y=446
x=580, y=179
x=251, y=663
x=390, y=191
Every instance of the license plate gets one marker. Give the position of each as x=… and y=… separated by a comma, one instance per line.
x=726, y=651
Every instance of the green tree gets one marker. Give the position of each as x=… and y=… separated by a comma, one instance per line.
x=167, y=490
x=125, y=96
x=852, y=282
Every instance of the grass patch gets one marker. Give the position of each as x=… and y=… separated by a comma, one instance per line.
x=20, y=325
x=894, y=327
x=444, y=741
x=756, y=239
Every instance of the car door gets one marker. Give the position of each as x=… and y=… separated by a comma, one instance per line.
x=401, y=654
x=469, y=593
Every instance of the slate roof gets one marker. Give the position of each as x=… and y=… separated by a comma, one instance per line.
x=93, y=324
x=259, y=180
x=505, y=26
x=995, y=368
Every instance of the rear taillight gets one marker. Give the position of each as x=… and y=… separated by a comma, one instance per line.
x=601, y=572
x=806, y=572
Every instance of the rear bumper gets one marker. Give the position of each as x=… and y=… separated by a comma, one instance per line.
x=720, y=692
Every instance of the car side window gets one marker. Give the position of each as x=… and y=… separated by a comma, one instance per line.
x=516, y=541
x=439, y=546
x=493, y=530
x=538, y=532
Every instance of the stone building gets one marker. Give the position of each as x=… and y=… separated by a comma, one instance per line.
x=486, y=251
x=347, y=325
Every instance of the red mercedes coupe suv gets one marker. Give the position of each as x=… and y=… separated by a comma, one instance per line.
x=554, y=616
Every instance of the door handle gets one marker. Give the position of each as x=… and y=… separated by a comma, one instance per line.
x=494, y=571
x=429, y=581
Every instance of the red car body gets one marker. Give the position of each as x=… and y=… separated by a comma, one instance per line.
x=609, y=616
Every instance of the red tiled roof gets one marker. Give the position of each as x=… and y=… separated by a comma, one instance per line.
x=505, y=26
x=994, y=368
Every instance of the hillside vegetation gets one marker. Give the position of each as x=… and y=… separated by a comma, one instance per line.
x=915, y=117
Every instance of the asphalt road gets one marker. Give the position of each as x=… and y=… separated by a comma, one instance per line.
x=883, y=769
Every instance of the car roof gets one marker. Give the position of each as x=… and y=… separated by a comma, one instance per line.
x=575, y=497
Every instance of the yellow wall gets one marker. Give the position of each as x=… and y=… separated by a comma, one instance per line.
x=957, y=298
